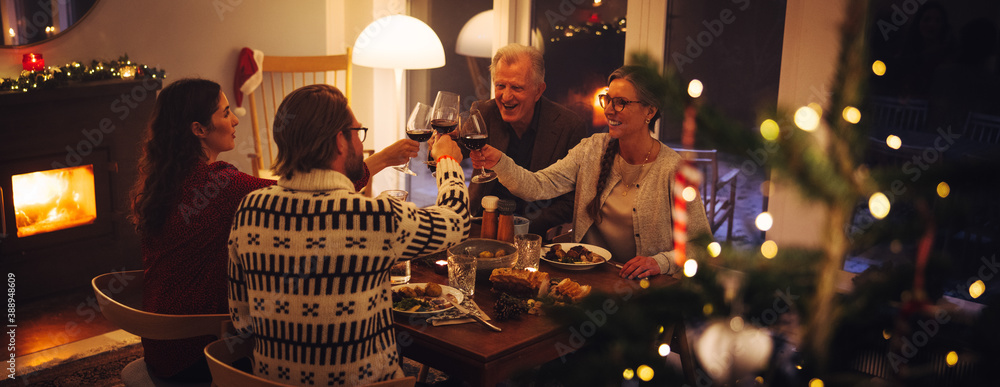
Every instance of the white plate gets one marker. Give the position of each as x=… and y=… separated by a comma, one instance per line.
x=576, y=266
x=445, y=289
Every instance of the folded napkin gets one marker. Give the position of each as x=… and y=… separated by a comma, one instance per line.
x=453, y=316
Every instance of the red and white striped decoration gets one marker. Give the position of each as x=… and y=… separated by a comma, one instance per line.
x=687, y=176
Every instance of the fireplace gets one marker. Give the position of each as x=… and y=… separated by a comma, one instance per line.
x=67, y=162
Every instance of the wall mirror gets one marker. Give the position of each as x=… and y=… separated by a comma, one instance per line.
x=28, y=22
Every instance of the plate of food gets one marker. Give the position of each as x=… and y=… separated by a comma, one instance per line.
x=423, y=298
x=574, y=256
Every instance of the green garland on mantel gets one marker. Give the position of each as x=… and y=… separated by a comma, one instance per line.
x=55, y=77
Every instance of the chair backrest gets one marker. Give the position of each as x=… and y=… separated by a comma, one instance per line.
x=222, y=353
x=982, y=128
x=280, y=76
x=120, y=296
x=890, y=113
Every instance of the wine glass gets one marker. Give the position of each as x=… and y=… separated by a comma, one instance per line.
x=475, y=136
x=444, y=117
x=417, y=129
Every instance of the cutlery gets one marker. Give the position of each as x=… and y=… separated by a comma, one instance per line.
x=618, y=265
x=454, y=302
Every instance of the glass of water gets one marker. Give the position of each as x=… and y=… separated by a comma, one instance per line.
x=399, y=273
x=462, y=273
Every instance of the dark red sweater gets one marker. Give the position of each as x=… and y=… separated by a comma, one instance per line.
x=185, y=264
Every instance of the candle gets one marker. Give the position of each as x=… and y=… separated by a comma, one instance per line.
x=33, y=62
x=441, y=266
x=127, y=72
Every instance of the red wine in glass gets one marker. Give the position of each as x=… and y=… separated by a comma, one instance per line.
x=419, y=135
x=444, y=126
x=474, y=141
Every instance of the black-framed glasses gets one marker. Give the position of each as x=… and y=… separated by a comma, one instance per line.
x=617, y=103
x=362, y=132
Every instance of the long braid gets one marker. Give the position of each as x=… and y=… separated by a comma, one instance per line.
x=607, y=161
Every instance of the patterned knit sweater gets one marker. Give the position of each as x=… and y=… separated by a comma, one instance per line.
x=309, y=266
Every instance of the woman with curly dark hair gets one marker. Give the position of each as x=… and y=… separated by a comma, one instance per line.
x=622, y=180
x=183, y=205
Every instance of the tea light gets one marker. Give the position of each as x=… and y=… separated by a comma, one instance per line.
x=441, y=266
x=33, y=62
x=128, y=72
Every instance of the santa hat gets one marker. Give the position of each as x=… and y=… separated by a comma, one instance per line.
x=248, y=76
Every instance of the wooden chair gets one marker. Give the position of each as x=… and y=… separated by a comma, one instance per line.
x=982, y=128
x=719, y=208
x=221, y=355
x=119, y=295
x=281, y=75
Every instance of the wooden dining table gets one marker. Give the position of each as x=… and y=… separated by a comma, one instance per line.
x=482, y=357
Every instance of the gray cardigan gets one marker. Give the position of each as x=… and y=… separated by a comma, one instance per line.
x=579, y=171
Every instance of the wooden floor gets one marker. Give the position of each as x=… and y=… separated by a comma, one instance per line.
x=59, y=319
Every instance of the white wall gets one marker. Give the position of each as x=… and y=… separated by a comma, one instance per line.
x=195, y=38
x=808, y=63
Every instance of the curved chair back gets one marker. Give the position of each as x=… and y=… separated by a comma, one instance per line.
x=222, y=353
x=120, y=296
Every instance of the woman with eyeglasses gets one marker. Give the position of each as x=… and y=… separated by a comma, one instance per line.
x=622, y=180
x=183, y=204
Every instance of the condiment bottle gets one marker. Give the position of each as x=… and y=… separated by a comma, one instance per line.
x=489, y=229
x=505, y=223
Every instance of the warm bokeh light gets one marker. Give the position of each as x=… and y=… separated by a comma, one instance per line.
x=896, y=246
x=644, y=283
x=886, y=334
x=816, y=383
x=708, y=309
x=977, y=288
x=764, y=221
x=628, y=374
x=769, y=249
x=664, y=349
x=690, y=268
x=878, y=205
x=645, y=373
x=659, y=330
x=695, y=88
x=736, y=324
x=878, y=67
x=759, y=380
x=714, y=249
x=943, y=189
x=807, y=119
x=689, y=193
x=951, y=359
x=769, y=130
x=893, y=141
x=765, y=188
x=852, y=114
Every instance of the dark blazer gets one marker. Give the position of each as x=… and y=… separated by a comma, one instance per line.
x=559, y=129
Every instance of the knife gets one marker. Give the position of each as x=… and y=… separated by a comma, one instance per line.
x=461, y=309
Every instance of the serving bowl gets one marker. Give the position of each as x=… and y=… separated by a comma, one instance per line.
x=474, y=246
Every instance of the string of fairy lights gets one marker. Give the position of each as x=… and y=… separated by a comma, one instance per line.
x=52, y=77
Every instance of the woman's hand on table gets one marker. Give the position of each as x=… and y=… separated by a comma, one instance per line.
x=444, y=145
x=487, y=157
x=640, y=267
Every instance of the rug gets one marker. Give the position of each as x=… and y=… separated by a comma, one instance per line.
x=104, y=370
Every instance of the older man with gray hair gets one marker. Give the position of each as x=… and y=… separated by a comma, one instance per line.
x=530, y=129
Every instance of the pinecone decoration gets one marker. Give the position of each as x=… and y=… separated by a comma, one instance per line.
x=509, y=307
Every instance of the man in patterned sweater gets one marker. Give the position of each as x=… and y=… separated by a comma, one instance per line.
x=309, y=257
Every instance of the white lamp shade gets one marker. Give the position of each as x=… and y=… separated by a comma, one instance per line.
x=398, y=42
x=476, y=37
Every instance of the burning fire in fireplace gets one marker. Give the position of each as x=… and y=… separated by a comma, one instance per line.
x=56, y=199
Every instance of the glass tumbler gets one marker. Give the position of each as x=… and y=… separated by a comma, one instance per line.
x=462, y=273
x=529, y=251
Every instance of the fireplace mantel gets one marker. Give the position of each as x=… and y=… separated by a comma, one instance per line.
x=98, y=123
